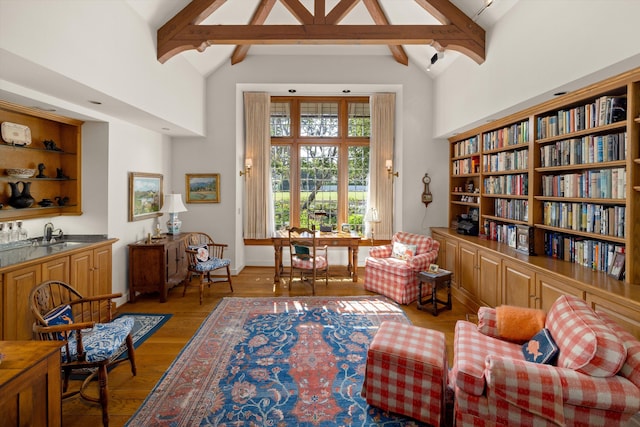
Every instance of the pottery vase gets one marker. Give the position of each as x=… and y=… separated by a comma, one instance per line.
x=21, y=199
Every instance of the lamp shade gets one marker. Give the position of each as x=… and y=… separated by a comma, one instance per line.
x=173, y=203
x=372, y=215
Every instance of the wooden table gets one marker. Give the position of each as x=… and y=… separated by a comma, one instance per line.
x=433, y=280
x=337, y=239
x=30, y=386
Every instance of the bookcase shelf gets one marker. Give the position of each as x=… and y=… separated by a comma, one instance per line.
x=568, y=169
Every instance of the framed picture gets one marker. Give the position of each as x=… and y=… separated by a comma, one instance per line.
x=345, y=228
x=203, y=187
x=524, y=236
x=145, y=195
x=617, y=265
x=433, y=268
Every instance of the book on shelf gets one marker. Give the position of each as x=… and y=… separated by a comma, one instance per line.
x=594, y=254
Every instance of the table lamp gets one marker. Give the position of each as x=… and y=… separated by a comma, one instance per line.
x=372, y=218
x=172, y=205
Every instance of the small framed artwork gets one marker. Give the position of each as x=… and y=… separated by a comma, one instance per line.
x=345, y=228
x=203, y=187
x=433, y=268
x=617, y=265
x=145, y=195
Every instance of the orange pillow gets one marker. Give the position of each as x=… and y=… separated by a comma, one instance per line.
x=519, y=323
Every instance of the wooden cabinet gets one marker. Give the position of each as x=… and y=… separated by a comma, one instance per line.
x=157, y=266
x=30, y=384
x=87, y=269
x=519, y=285
x=550, y=288
x=491, y=273
x=468, y=272
x=489, y=283
x=16, y=312
x=61, y=165
x=448, y=255
x=567, y=169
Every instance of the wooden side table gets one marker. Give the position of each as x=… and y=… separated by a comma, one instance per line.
x=30, y=384
x=434, y=280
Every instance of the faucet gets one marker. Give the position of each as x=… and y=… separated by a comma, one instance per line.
x=48, y=232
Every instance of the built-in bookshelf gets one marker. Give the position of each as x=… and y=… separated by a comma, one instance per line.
x=569, y=169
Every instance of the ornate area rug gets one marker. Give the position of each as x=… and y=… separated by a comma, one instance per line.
x=275, y=362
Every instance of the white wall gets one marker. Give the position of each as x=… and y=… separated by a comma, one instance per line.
x=537, y=48
x=103, y=45
x=222, y=151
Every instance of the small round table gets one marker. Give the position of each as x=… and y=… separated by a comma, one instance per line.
x=443, y=279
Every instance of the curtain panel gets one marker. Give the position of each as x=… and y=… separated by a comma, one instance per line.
x=383, y=107
x=258, y=213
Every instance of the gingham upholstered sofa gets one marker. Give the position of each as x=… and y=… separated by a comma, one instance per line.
x=397, y=278
x=595, y=380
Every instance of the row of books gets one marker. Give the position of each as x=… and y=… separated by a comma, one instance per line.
x=588, y=149
x=515, y=134
x=596, y=184
x=602, y=111
x=506, y=161
x=500, y=232
x=466, y=166
x=594, y=254
x=507, y=184
x=587, y=217
x=463, y=148
x=512, y=209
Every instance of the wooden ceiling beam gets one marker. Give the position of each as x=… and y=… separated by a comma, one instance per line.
x=447, y=13
x=259, y=16
x=193, y=13
x=339, y=11
x=378, y=16
x=458, y=31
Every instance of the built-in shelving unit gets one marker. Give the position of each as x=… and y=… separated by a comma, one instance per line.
x=62, y=170
x=568, y=168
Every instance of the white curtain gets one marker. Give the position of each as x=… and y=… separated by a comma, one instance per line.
x=258, y=214
x=381, y=149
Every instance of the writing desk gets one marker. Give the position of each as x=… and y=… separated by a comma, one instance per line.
x=336, y=238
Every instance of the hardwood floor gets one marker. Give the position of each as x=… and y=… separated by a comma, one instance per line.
x=154, y=356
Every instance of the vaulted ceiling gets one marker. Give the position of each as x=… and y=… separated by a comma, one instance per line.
x=209, y=33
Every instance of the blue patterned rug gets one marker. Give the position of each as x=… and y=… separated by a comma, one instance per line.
x=144, y=325
x=275, y=362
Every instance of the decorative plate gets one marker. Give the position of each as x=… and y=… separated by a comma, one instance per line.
x=16, y=134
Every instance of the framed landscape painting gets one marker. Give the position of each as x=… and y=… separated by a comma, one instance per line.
x=145, y=195
x=203, y=187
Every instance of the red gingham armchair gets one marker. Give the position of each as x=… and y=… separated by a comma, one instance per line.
x=594, y=382
x=397, y=278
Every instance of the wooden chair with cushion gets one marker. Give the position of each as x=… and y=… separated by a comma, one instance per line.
x=93, y=339
x=306, y=256
x=205, y=256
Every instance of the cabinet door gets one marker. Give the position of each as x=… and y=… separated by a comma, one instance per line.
x=489, y=283
x=16, y=312
x=81, y=272
x=550, y=289
x=56, y=269
x=519, y=285
x=468, y=270
x=451, y=260
x=442, y=253
x=625, y=316
x=102, y=270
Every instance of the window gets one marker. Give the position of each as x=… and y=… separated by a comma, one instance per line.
x=319, y=161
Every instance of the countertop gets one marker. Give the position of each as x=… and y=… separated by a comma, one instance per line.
x=36, y=251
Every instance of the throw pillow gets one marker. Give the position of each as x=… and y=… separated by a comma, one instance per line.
x=59, y=316
x=519, y=323
x=202, y=253
x=403, y=250
x=301, y=250
x=541, y=348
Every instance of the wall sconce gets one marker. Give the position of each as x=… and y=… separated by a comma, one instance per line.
x=247, y=167
x=390, y=171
